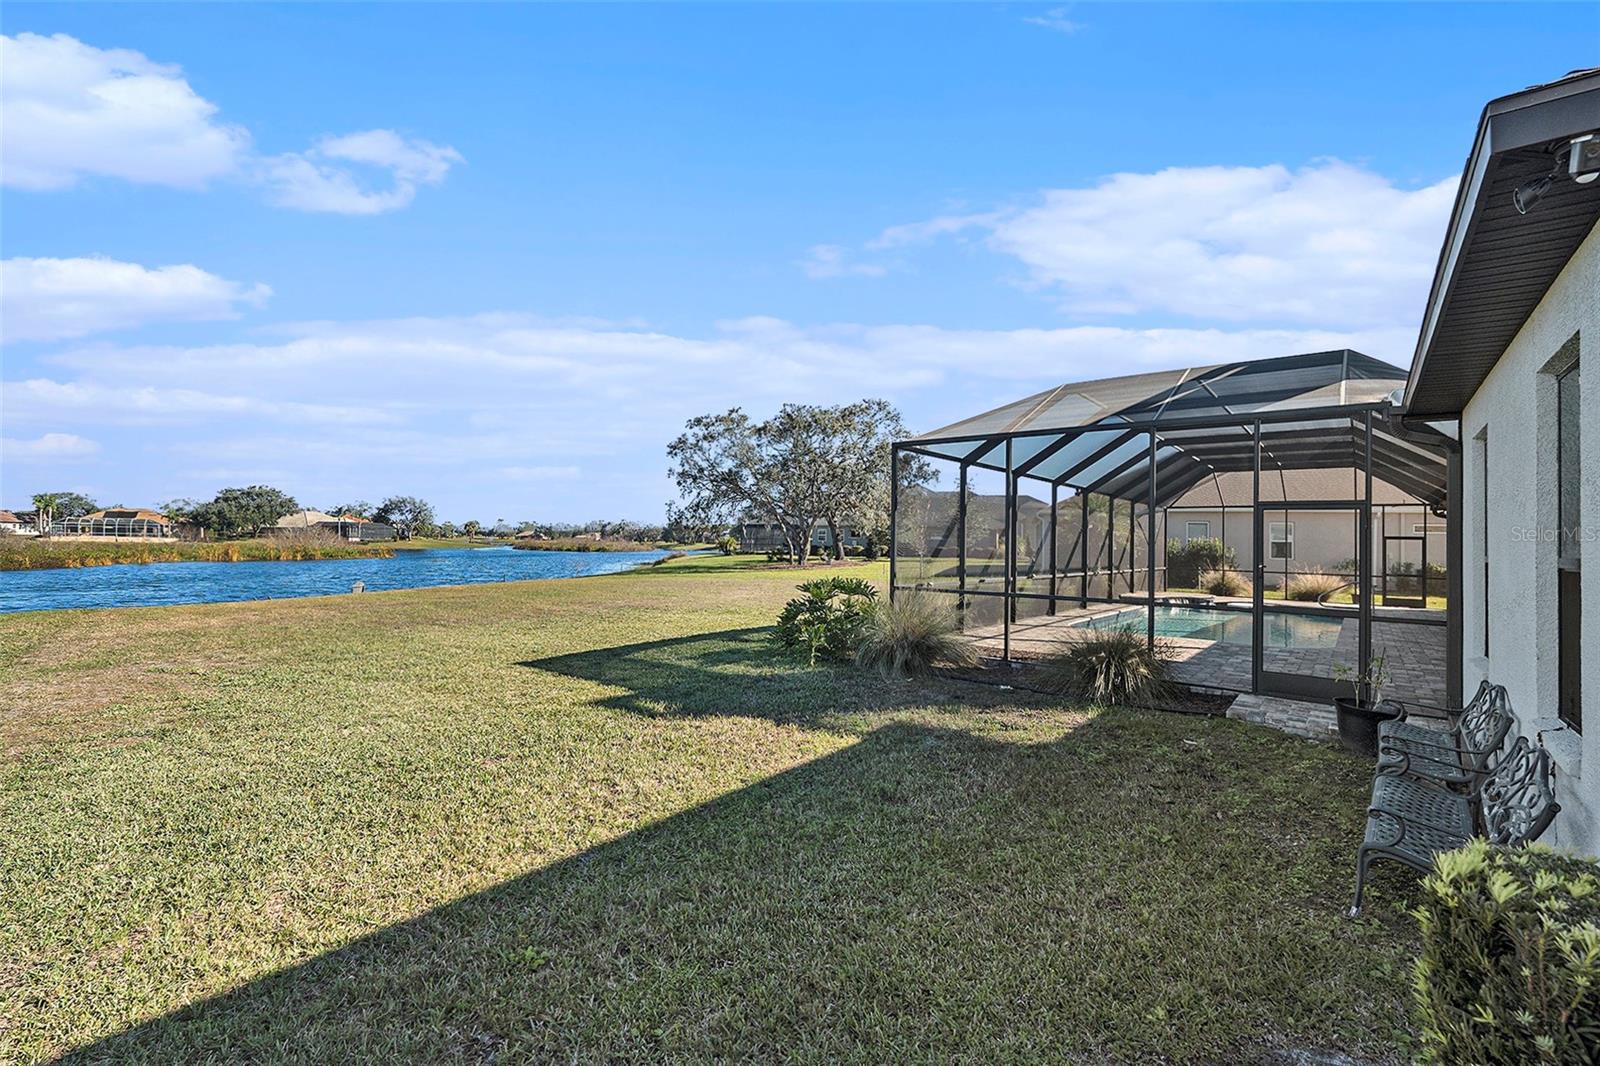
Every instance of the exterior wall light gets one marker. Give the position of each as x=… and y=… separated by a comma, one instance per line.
x=1584, y=161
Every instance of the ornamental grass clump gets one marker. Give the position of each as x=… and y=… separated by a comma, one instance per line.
x=1313, y=587
x=911, y=635
x=1223, y=583
x=828, y=617
x=1510, y=965
x=1115, y=666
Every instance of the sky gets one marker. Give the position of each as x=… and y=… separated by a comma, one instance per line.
x=495, y=256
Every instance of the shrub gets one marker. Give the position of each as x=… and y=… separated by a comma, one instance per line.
x=1112, y=666
x=828, y=617
x=1510, y=964
x=1223, y=583
x=910, y=635
x=1186, y=562
x=727, y=544
x=1313, y=586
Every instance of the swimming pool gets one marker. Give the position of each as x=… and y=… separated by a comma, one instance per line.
x=1283, y=630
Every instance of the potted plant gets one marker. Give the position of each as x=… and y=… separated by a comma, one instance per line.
x=1359, y=713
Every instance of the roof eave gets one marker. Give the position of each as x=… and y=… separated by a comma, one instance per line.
x=1537, y=115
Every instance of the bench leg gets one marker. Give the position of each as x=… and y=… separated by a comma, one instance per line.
x=1363, y=860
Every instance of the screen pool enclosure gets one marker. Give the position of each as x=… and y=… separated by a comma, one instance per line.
x=1268, y=523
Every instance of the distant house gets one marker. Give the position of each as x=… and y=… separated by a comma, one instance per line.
x=16, y=525
x=1409, y=539
x=116, y=522
x=346, y=526
x=530, y=534
x=768, y=536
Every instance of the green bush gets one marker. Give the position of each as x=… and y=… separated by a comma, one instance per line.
x=1510, y=965
x=727, y=544
x=828, y=617
x=1112, y=666
x=912, y=634
x=1223, y=583
x=1186, y=562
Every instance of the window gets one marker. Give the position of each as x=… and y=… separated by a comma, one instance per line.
x=1196, y=531
x=1569, y=539
x=1280, y=540
x=1483, y=531
x=1419, y=528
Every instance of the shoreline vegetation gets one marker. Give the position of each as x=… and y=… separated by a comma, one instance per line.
x=582, y=544
x=23, y=553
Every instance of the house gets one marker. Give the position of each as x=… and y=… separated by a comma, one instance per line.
x=15, y=525
x=346, y=526
x=134, y=522
x=1513, y=313
x=1409, y=537
x=768, y=536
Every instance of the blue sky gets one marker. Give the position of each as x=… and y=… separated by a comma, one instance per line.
x=495, y=256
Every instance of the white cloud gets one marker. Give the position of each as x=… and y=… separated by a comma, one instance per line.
x=538, y=473
x=833, y=261
x=41, y=399
x=52, y=299
x=1055, y=19
x=1329, y=244
x=49, y=447
x=559, y=413
x=73, y=111
x=308, y=181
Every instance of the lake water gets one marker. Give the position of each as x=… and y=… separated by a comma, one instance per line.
x=152, y=584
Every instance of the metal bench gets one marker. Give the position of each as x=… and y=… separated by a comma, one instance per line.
x=1411, y=821
x=1457, y=755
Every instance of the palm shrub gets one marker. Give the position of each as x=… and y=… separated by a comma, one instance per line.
x=828, y=616
x=1313, y=586
x=1510, y=965
x=1223, y=583
x=909, y=636
x=1113, y=666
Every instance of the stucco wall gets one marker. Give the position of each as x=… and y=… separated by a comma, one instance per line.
x=1515, y=408
x=1322, y=539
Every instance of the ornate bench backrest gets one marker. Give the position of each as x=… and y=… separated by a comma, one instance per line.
x=1518, y=801
x=1485, y=722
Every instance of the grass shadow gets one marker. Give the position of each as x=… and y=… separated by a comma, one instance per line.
x=737, y=672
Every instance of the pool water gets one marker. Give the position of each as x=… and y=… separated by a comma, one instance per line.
x=151, y=584
x=1283, y=630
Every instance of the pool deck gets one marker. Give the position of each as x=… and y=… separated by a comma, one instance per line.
x=1414, y=653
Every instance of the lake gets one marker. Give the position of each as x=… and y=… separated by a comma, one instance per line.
x=154, y=584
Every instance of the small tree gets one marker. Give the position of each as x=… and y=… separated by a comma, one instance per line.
x=360, y=508
x=855, y=453
x=55, y=505
x=407, y=514
x=470, y=528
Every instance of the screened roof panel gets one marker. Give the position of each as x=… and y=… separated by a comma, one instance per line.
x=1094, y=436
x=1288, y=383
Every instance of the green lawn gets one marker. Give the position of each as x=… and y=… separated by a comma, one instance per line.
x=602, y=820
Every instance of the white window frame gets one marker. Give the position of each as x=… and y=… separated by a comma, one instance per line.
x=1418, y=529
x=1189, y=534
x=1280, y=533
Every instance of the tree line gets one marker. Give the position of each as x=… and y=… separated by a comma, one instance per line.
x=252, y=510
